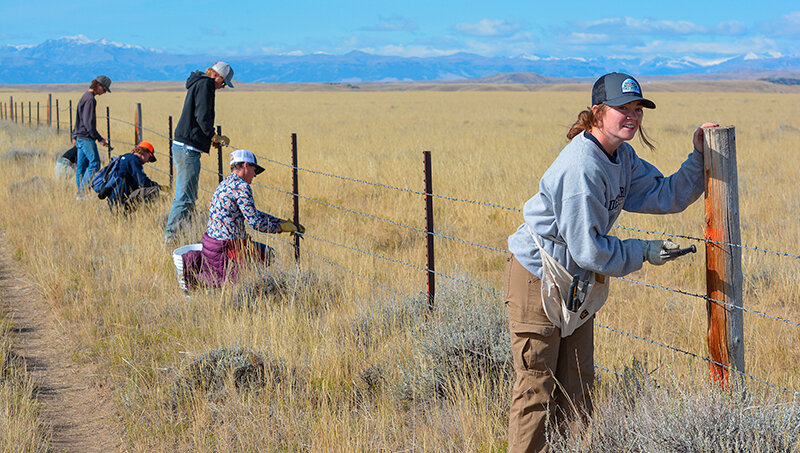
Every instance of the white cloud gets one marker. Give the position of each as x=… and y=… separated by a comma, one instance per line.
x=587, y=38
x=488, y=28
x=787, y=26
x=756, y=45
x=653, y=27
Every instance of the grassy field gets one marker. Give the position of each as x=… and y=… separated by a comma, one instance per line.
x=347, y=364
x=21, y=427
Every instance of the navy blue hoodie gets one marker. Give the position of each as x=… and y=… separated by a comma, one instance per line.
x=132, y=177
x=196, y=125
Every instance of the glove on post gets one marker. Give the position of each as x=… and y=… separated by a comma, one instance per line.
x=287, y=226
x=655, y=252
x=220, y=139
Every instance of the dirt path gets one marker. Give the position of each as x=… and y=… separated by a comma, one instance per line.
x=75, y=401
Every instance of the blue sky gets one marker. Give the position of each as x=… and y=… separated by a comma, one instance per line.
x=578, y=28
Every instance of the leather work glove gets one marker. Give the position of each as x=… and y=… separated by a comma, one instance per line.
x=220, y=140
x=657, y=251
x=287, y=226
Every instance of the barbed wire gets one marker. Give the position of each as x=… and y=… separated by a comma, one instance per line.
x=394, y=291
x=486, y=246
x=382, y=219
x=414, y=266
x=363, y=277
x=694, y=238
x=698, y=239
x=136, y=126
x=610, y=371
x=498, y=206
x=385, y=186
x=692, y=354
x=659, y=344
x=710, y=299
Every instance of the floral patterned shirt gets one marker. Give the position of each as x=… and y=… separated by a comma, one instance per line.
x=232, y=204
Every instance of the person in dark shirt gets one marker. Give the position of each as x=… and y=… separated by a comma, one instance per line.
x=194, y=135
x=85, y=134
x=134, y=186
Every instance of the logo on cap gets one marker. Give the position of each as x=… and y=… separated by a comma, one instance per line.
x=630, y=86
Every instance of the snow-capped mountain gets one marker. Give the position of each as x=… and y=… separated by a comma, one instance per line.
x=78, y=59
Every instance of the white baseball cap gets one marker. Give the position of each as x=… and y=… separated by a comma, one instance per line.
x=224, y=70
x=244, y=155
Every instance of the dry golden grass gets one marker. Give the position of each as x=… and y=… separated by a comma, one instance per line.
x=21, y=425
x=112, y=280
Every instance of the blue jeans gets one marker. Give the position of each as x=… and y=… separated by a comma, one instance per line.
x=87, y=164
x=187, y=166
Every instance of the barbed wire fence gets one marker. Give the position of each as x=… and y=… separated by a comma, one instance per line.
x=10, y=112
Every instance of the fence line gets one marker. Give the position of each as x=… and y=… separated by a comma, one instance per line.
x=656, y=343
x=481, y=203
x=709, y=299
x=363, y=277
x=413, y=266
x=692, y=354
x=394, y=291
x=492, y=248
x=386, y=186
x=465, y=241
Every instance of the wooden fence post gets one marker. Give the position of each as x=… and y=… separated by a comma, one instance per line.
x=137, y=121
x=30, y=113
x=58, y=118
x=723, y=262
x=38, y=120
x=70, y=116
x=295, y=198
x=219, y=155
x=429, y=228
x=49, y=109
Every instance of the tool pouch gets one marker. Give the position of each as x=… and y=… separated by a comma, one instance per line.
x=585, y=299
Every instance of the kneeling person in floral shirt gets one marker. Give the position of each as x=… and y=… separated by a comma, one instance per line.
x=226, y=244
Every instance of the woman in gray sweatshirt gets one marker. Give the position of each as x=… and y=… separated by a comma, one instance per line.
x=562, y=255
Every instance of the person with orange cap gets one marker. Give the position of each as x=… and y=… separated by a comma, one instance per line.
x=134, y=186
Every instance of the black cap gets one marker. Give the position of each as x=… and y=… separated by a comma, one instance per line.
x=616, y=89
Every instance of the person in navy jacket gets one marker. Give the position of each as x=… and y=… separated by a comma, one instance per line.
x=134, y=186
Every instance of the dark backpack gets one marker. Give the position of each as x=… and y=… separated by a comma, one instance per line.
x=105, y=180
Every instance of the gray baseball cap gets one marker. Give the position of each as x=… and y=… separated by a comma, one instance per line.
x=105, y=82
x=225, y=70
x=616, y=89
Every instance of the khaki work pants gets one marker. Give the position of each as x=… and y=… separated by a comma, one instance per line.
x=554, y=375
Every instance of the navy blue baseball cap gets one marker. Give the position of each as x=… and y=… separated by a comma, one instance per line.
x=616, y=89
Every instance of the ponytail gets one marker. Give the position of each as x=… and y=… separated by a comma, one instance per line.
x=588, y=119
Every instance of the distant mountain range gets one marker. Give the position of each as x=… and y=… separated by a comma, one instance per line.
x=78, y=59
